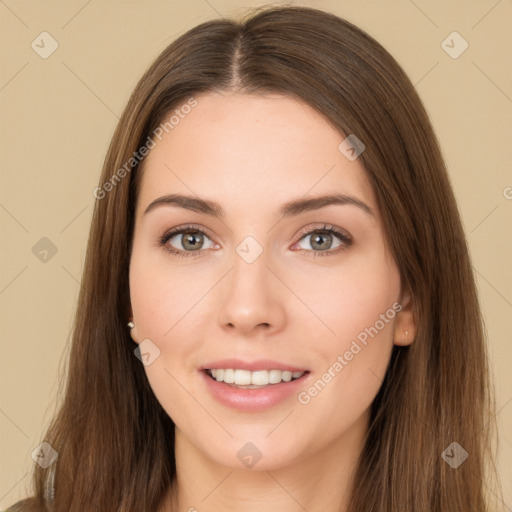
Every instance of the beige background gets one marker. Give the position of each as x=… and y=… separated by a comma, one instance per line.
x=59, y=114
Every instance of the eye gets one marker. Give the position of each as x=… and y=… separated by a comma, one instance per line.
x=321, y=239
x=189, y=239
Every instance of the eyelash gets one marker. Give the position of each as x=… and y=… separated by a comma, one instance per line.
x=329, y=229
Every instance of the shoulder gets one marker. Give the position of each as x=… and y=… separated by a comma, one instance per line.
x=26, y=505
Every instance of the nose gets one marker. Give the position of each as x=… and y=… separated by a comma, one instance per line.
x=252, y=299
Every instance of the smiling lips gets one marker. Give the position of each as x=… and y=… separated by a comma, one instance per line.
x=253, y=383
x=252, y=387
x=255, y=379
x=260, y=373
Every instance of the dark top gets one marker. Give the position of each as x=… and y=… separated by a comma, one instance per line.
x=20, y=506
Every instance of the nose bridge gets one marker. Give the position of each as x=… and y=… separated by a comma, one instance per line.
x=250, y=253
x=250, y=298
x=250, y=272
x=249, y=277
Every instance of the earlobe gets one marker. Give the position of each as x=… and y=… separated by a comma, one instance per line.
x=133, y=331
x=405, y=323
x=405, y=339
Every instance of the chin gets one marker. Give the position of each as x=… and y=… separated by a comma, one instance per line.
x=253, y=454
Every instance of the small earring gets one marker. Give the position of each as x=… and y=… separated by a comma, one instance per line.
x=133, y=331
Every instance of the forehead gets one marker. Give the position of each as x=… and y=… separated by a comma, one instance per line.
x=242, y=149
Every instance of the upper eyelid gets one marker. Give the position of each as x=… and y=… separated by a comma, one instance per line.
x=181, y=229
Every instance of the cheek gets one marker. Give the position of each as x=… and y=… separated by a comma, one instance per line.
x=162, y=292
x=169, y=307
x=357, y=305
x=163, y=299
x=351, y=297
x=352, y=362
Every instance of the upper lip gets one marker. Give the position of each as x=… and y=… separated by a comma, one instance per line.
x=259, y=364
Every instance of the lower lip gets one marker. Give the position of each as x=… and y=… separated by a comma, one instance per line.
x=245, y=399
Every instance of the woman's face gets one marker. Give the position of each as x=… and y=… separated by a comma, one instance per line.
x=257, y=285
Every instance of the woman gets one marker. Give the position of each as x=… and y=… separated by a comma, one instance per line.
x=278, y=308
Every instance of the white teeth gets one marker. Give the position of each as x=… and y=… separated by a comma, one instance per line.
x=229, y=376
x=259, y=378
x=250, y=379
x=287, y=376
x=274, y=376
x=242, y=377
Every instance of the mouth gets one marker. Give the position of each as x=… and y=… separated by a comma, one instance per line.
x=246, y=379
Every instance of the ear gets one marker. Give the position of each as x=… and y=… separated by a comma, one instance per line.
x=405, y=323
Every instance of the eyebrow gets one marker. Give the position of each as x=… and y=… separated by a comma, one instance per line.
x=289, y=209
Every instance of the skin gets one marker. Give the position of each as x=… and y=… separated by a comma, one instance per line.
x=251, y=154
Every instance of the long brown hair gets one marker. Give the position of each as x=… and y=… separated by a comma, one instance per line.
x=114, y=441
